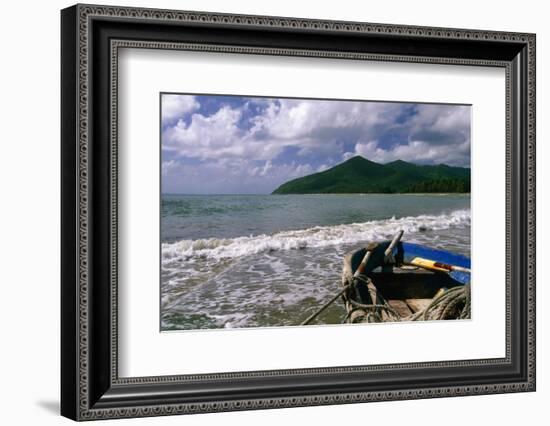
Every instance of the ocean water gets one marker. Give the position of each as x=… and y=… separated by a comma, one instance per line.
x=272, y=260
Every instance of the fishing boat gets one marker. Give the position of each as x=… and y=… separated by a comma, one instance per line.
x=399, y=281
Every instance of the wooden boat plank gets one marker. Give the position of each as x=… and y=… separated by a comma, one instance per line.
x=418, y=304
x=400, y=307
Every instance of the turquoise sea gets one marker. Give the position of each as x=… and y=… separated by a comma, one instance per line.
x=271, y=260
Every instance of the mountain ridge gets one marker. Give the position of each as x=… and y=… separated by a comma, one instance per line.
x=360, y=175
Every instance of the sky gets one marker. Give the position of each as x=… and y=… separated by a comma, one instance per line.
x=215, y=144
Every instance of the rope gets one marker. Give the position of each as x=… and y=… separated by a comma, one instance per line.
x=326, y=305
x=373, y=312
x=384, y=307
x=453, y=303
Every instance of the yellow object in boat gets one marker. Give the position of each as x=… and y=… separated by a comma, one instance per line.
x=436, y=266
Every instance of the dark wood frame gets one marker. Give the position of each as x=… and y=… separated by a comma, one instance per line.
x=90, y=386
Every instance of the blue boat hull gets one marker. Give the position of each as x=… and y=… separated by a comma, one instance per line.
x=410, y=251
x=404, y=253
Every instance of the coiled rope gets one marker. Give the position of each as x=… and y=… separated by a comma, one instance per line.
x=372, y=312
x=453, y=303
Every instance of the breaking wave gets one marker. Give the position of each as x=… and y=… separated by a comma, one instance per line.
x=318, y=236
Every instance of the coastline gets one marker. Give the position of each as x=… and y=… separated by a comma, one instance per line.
x=315, y=193
x=375, y=193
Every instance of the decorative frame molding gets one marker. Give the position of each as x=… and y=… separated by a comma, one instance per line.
x=91, y=37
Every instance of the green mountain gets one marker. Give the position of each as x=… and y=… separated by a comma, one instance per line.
x=359, y=175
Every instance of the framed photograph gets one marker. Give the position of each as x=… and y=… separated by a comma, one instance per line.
x=263, y=212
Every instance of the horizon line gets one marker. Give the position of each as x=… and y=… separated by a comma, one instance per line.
x=323, y=193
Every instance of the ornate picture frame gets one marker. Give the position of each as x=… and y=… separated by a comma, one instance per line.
x=91, y=37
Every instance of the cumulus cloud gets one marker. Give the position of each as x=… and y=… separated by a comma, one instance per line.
x=419, y=152
x=311, y=126
x=235, y=176
x=262, y=142
x=441, y=125
x=176, y=106
x=218, y=136
x=168, y=166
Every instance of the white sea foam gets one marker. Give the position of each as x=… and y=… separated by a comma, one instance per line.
x=318, y=236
